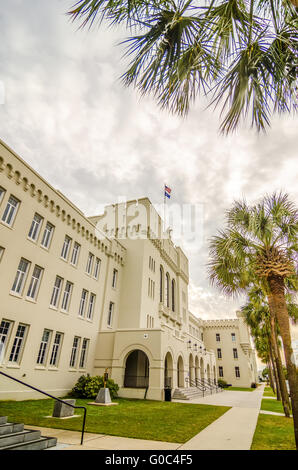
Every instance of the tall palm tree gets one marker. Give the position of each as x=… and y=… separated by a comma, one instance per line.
x=243, y=52
x=263, y=326
x=261, y=243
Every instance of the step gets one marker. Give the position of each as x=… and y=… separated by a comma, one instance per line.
x=38, y=444
x=9, y=428
x=19, y=437
x=3, y=420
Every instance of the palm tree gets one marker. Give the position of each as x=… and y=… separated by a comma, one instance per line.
x=260, y=244
x=242, y=52
x=264, y=330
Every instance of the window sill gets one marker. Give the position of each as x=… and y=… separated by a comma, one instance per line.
x=46, y=248
x=33, y=301
x=53, y=308
x=14, y=294
x=40, y=368
x=6, y=225
x=64, y=259
x=53, y=369
x=65, y=312
x=12, y=366
x=32, y=240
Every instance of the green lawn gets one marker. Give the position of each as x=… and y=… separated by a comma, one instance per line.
x=143, y=419
x=272, y=405
x=240, y=389
x=274, y=433
x=268, y=392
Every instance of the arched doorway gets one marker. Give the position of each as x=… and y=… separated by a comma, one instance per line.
x=180, y=372
x=168, y=376
x=136, y=370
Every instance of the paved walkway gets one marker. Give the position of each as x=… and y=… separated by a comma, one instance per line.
x=234, y=430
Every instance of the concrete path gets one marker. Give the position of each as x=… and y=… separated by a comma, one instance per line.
x=265, y=412
x=235, y=429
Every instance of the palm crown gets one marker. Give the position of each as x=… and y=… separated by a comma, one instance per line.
x=243, y=52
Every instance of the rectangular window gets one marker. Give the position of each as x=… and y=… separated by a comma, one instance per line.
x=75, y=254
x=42, y=354
x=233, y=336
x=220, y=371
x=89, y=263
x=18, y=344
x=4, y=332
x=217, y=337
x=10, y=211
x=219, y=356
x=21, y=275
x=1, y=252
x=66, y=247
x=74, y=351
x=83, y=302
x=97, y=267
x=47, y=235
x=56, y=350
x=91, y=306
x=84, y=350
x=35, y=227
x=34, y=283
x=66, y=296
x=56, y=292
x=235, y=353
x=114, y=281
x=2, y=192
x=110, y=315
x=237, y=372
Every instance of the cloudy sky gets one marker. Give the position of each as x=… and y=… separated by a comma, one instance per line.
x=66, y=113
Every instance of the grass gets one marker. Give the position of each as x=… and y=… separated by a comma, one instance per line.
x=240, y=389
x=274, y=433
x=272, y=405
x=268, y=392
x=142, y=419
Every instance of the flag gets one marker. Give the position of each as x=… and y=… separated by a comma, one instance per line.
x=167, y=192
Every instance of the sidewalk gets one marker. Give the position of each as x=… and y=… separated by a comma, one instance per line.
x=234, y=430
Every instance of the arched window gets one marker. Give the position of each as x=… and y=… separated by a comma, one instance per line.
x=173, y=295
x=161, y=284
x=167, y=290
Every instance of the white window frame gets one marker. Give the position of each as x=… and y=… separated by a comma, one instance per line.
x=235, y=353
x=20, y=277
x=115, y=278
x=66, y=296
x=47, y=235
x=74, y=352
x=44, y=347
x=233, y=336
x=35, y=227
x=18, y=344
x=111, y=313
x=75, y=254
x=84, y=353
x=34, y=283
x=220, y=372
x=2, y=249
x=83, y=302
x=97, y=266
x=2, y=193
x=10, y=211
x=56, y=292
x=89, y=263
x=56, y=349
x=237, y=372
x=219, y=353
x=66, y=247
x=91, y=304
x=5, y=329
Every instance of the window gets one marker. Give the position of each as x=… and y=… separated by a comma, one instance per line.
x=2, y=192
x=74, y=351
x=89, y=263
x=4, y=331
x=35, y=227
x=34, y=283
x=110, y=315
x=167, y=290
x=21, y=275
x=217, y=337
x=65, y=248
x=83, y=302
x=237, y=372
x=42, y=353
x=233, y=336
x=56, y=292
x=91, y=306
x=114, y=281
x=56, y=349
x=47, y=235
x=160, y=284
x=66, y=296
x=150, y=321
x=235, y=353
x=18, y=344
x=75, y=254
x=220, y=371
x=84, y=353
x=10, y=211
x=173, y=295
x=219, y=356
x=97, y=268
x=1, y=252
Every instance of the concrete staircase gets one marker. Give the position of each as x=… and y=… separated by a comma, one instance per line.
x=13, y=436
x=188, y=393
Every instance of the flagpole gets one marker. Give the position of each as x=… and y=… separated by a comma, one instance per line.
x=164, y=207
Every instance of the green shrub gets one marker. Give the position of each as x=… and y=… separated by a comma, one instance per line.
x=222, y=383
x=88, y=387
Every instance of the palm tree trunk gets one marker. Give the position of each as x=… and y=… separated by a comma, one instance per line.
x=275, y=350
x=271, y=381
x=276, y=284
x=274, y=375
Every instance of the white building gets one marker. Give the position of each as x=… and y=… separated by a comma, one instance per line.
x=79, y=295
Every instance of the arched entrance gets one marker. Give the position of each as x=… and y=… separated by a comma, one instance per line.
x=180, y=372
x=137, y=370
x=168, y=376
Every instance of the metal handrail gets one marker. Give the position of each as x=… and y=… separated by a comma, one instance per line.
x=51, y=396
x=196, y=384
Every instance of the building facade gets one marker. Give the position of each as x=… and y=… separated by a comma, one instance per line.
x=81, y=295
